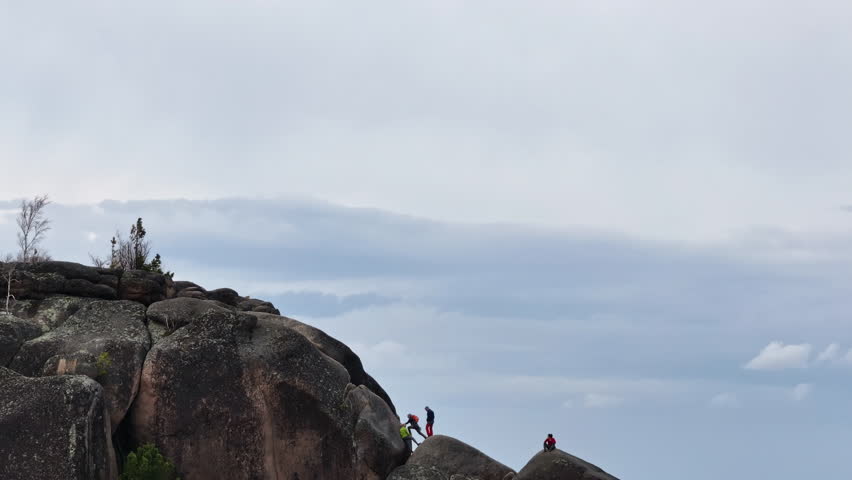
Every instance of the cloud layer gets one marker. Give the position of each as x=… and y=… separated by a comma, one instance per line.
x=609, y=115
x=501, y=327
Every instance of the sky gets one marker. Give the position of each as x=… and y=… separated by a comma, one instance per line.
x=624, y=223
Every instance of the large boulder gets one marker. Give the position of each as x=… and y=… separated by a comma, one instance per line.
x=145, y=287
x=335, y=349
x=454, y=457
x=177, y=312
x=376, y=431
x=257, y=305
x=224, y=401
x=53, y=428
x=14, y=332
x=105, y=340
x=227, y=296
x=181, y=285
x=558, y=465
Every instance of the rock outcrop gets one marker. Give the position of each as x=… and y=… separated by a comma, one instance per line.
x=112, y=330
x=454, y=457
x=224, y=386
x=53, y=428
x=224, y=400
x=49, y=278
x=558, y=465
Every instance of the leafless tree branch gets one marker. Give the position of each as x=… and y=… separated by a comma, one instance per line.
x=32, y=227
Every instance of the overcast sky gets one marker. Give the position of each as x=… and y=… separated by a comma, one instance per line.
x=628, y=223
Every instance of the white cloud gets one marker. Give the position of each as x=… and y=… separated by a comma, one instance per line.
x=91, y=236
x=777, y=356
x=830, y=354
x=801, y=391
x=725, y=400
x=599, y=400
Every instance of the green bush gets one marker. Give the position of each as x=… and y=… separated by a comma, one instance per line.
x=146, y=463
x=103, y=363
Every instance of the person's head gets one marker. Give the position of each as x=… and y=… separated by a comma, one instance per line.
x=549, y=435
x=427, y=409
x=409, y=415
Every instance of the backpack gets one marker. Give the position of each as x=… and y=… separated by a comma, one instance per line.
x=414, y=418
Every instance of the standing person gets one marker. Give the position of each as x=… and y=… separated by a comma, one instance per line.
x=407, y=438
x=413, y=425
x=430, y=420
x=549, y=443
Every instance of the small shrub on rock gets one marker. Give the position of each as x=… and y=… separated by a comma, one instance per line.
x=103, y=363
x=147, y=463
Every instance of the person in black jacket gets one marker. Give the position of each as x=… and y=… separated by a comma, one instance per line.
x=430, y=420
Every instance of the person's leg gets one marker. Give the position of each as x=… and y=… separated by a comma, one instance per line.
x=429, y=429
x=417, y=429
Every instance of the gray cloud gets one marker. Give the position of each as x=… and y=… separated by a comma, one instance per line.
x=673, y=120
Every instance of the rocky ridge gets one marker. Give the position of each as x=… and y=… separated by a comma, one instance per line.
x=94, y=362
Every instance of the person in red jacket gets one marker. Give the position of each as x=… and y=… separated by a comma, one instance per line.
x=549, y=443
x=413, y=424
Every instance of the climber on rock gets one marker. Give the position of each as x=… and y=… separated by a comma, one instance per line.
x=430, y=420
x=413, y=424
x=549, y=443
x=407, y=438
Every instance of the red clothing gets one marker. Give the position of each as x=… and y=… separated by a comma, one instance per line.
x=428, y=429
x=550, y=441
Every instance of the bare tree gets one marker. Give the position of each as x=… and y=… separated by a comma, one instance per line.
x=98, y=262
x=32, y=227
x=7, y=274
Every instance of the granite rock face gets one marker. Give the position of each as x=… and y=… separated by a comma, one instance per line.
x=336, y=350
x=54, y=428
x=559, y=465
x=14, y=332
x=105, y=340
x=454, y=457
x=223, y=401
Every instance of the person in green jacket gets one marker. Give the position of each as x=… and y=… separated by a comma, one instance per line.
x=407, y=438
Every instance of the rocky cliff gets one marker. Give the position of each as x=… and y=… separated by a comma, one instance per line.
x=94, y=362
